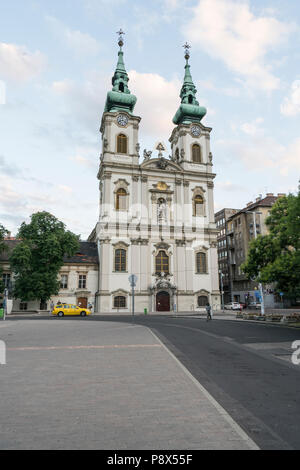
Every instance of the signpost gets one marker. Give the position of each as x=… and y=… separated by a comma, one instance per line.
x=132, y=280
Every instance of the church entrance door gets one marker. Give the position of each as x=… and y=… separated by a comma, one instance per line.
x=163, y=302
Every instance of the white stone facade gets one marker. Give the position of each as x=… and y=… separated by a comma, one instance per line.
x=156, y=219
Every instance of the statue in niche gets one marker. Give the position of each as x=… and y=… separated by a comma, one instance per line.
x=161, y=211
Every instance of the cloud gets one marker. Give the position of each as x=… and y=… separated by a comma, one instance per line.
x=158, y=100
x=18, y=64
x=229, y=31
x=291, y=104
x=80, y=43
x=264, y=152
x=253, y=128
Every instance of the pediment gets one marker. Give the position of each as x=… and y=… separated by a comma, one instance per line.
x=154, y=164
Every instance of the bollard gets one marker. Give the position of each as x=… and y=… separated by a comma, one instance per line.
x=145, y=311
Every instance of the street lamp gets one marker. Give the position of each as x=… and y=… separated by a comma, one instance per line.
x=222, y=291
x=262, y=304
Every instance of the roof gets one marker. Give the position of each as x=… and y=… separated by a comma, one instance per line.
x=87, y=253
x=267, y=201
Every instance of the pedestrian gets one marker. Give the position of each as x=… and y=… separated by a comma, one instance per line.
x=208, y=312
x=51, y=307
x=90, y=306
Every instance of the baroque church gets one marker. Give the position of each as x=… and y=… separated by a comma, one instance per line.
x=156, y=215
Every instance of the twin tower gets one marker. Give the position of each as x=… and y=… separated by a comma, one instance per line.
x=156, y=215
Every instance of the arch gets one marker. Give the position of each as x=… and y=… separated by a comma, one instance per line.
x=122, y=143
x=121, y=199
x=162, y=262
x=121, y=87
x=120, y=260
x=196, y=153
x=201, y=263
x=190, y=99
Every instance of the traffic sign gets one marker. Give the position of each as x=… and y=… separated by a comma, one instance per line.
x=132, y=279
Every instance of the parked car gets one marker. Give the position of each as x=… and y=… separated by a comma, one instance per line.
x=255, y=305
x=233, y=306
x=69, y=309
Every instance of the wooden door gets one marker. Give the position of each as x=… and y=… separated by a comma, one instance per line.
x=82, y=302
x=163, y=302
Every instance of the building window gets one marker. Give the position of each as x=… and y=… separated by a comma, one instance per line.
x=82, y=281
x=162, y=263
x=120, y=260
x=198, y=205
x=121, y=143
x=119, y=301
x=202, y=300
x=64, y=281
x=196, y=153
x=201, y=264
x=23, y=306
x=6, y=280
x=121, y=200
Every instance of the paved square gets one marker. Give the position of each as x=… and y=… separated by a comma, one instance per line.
x=80, y=384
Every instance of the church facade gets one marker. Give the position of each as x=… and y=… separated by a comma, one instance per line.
x=156, y=217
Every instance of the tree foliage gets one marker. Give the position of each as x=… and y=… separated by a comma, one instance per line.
x=3, y=233
x=37, y=259
x=275, y=258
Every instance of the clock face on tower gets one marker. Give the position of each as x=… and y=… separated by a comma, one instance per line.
x=122, y=120
x=196, y=131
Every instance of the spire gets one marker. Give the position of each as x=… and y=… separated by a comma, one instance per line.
x=120, y=98
x=189, y=111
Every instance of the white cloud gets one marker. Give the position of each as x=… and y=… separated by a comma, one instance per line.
x=229, y=31
x=260, y=153
x=81, y=43
x=291, y=104
x=253, y=128
x=18, y=64
x=158, y=100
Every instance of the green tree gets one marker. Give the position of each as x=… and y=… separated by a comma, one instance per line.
x=3, y=233
x=37, y=259
x=275, y=258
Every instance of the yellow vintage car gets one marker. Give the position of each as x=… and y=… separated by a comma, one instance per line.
x=69, y=309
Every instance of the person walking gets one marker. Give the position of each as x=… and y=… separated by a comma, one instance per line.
x=51, y=307
x=208, y=312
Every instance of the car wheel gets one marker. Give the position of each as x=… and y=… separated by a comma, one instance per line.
x=82, y=314
x=60, y=314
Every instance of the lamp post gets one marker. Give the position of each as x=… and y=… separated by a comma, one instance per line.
x=262, y=302
x=222, y=291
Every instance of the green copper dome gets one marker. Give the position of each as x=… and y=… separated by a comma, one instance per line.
x=189, y=110
x=120, y=98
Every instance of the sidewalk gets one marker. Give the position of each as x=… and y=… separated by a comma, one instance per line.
x=103, y=385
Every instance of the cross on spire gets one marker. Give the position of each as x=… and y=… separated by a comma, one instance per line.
x=121, y=39
x=186, y=47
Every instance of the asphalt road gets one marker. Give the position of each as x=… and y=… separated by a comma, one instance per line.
x=245, y=366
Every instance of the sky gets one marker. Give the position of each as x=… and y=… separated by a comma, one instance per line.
x=56, y=63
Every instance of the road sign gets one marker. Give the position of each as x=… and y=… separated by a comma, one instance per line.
x=132, y=279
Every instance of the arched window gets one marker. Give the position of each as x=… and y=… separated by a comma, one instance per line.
x=121, y=143
x=119, y=301
x=120, y=260
x=198, y=205
x=196, y=153
x=201, y=263
x=162, y=263
x=121, y=200
x=190, y=99
x=202, y=300
x=121, y=87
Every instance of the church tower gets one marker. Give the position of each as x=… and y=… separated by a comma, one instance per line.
x=156, y=215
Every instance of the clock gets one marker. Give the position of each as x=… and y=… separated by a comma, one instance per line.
x=196, y=131
x=122, y=120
